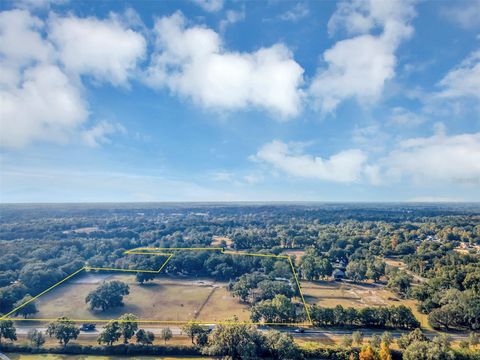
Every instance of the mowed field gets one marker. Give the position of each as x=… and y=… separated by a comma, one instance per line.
x=333, y=293
x=166, y=298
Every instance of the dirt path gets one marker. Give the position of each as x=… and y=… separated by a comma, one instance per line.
x=197, y=314
x=401, y=265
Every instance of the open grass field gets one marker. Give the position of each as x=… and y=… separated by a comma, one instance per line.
x=165, y=298
x=218, y=241
x=332, y=293
x=84, y=230
x=295, y=254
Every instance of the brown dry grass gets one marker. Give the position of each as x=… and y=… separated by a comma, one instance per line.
x=217, y=241
x=332, y=293
x=165, y=298
x=297, y=254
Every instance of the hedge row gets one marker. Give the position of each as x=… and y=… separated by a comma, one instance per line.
x=74, y=349
x=130, y=349
x=337, y=354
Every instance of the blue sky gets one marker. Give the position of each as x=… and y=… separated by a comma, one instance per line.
x=211, y=100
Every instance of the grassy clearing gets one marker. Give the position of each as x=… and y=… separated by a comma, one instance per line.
x=84, y=230
x=394, y=263
x=218, y=241
x=295, y=254
x=221, y=305
x=165, y=298
x=332, y=293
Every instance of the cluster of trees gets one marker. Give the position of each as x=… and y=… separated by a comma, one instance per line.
x=457, y=309
x=234, y=341
x=394, y=317
x=241, y=341
x=7, y=330
x=255, y=287
x=63, y=330
x=270, y=299
x=108, y=295
x=313, y=267
x=25, y=307
x=24, y=274
x=399, y=281
x=228, y=267
x=378, y=348
x=359, y=270
x=451, y=294
x=414, y=345
x=125, y=328
x=280, y=309
x=417, y=346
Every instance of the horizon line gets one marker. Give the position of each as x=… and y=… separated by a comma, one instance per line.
x=213, y=202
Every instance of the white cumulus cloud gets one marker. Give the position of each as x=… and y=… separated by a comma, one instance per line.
x=360, y=66
x=464, y=13
x=41, y=93
x=345, y=166
x=458, y=92
x=20, y=27
x=44, y=106
x=192, y=62
x=463, y=80
x=296, y=13
x=98, y=134
x=39, y=102
x=210, y=5
x=232, y=17
x=401, y=116
x=103, y=49
x=438, y=158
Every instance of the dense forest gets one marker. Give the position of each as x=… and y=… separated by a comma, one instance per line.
x=41, y=244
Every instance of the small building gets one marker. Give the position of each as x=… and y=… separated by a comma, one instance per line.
x=338, y=274
x=340, y=264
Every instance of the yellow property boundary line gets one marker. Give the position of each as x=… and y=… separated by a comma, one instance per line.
x=164, y=252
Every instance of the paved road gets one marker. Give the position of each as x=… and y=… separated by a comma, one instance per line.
x=371, y=332
x=311, y=333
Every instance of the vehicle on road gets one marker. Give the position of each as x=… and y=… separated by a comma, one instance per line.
x=88, y=327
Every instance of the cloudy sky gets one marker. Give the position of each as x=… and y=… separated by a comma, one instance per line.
x=209, y=100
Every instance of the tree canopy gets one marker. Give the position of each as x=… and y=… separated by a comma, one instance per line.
x=108, y=295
